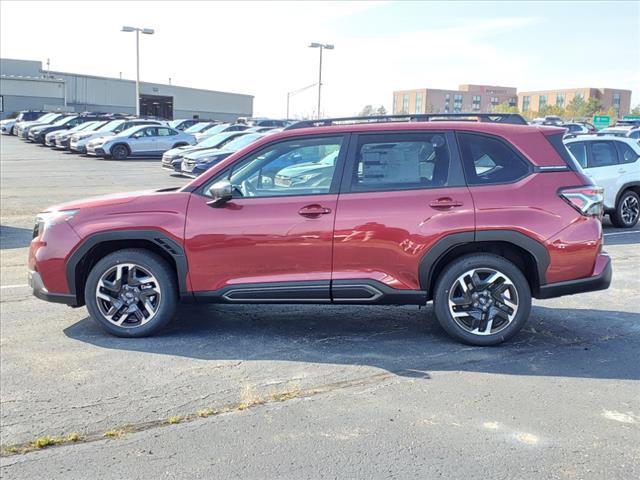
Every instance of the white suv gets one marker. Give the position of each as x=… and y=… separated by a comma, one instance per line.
x=613, y=163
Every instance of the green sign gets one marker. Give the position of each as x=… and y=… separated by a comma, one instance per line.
x=601, y=121
x=631, y=117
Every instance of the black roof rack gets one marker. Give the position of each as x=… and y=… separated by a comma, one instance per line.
x=511, y=118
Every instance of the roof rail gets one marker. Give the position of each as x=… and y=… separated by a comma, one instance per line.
x=511, y=118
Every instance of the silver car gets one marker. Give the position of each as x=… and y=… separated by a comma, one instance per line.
x=139, y=141
x=79, y=141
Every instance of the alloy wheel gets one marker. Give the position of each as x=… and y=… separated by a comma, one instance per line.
x=630, y=209
x=128, y=295
x=483, y=301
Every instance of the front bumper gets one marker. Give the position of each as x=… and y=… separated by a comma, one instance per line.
x=599, y=280
x=39, y=290
x=95, y=152
x=74, y=147
x=63, y=144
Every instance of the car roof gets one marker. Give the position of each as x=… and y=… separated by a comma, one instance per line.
x=591, y=137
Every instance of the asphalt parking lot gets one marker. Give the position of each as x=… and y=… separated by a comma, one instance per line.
x=232, y=391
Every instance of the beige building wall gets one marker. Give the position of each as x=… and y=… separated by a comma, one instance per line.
x=468, y=98
x=609, y=97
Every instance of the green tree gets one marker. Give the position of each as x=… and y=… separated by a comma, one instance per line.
x=504, y=107
x=635, y=110
x=592, y=107
x=367, y=111
x=576, y=108
x=552, y=110
x=381, y=110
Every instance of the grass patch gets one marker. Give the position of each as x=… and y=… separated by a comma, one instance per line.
x=174, y=419
x=207, y=412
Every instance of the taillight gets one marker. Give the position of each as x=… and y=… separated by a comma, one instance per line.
x=588, y=200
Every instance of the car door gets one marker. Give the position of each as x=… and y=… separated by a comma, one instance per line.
x=271, y=241
x=603, y=168
x=143, y=141
x=165, y=139
x=401, y=193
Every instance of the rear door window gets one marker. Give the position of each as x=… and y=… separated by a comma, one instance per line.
x=488, y=160
x=603, y=154
x=400, y=162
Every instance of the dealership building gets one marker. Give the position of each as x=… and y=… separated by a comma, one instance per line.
x=25, y=85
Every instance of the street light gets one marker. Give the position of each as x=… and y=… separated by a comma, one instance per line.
x=146, y=31
x=321, y=46
x=295, y=92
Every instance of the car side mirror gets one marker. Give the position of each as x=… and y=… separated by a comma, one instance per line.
x=220, y=192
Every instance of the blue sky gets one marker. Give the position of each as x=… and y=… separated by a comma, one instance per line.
x=261, y=48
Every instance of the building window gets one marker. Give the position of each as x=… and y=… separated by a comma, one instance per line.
x=405, y=103
x=526, y=100
x=543, y=102
x=476, y=102
x=513, y=101
x=495, y=100
x=418, y=102
x=579, y=96
x=446, y=97
x=560, y=99
x=616, y=101
x=446, y=108
x=394, y=108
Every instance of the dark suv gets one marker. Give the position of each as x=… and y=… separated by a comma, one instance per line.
x=478, y=216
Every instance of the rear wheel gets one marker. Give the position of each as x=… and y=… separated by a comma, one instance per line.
x=482, y=299
x=119, y=152
x=131, y=293
x=627, y=210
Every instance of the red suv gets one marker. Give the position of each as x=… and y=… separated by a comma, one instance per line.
x=478, y=216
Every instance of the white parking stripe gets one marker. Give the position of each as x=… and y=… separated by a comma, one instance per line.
x=14, y=286
x=621, y=233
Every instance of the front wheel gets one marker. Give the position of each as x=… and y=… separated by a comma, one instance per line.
x=627, y=210
x=131, y=293
x=482, y=299
x=119, y=152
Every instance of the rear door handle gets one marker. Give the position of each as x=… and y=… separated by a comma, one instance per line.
x=313, y=211
x=446, y=202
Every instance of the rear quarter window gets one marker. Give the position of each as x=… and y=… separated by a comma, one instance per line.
x=489, y=160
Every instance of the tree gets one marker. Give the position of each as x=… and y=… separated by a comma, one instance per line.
x=504, y=107
x=381, y=110
x=576, y=108
x=635, y=110
x=592, y=107
x=554, y=110
x=367, y=111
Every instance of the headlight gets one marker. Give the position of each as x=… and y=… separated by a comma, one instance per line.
x=46, y=220
x=212, y=158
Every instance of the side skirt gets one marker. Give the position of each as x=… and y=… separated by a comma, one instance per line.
x=354, y=292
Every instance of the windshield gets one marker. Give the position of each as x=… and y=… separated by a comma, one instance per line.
x=131, y=130
x=83, y=126
x=110, y=126
x=242, y=141
x=217, y=139
x=213, y=129
x=198, y=127
x=46, y=117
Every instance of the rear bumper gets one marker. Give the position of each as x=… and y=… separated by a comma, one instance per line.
x=600, y=280
x=39, y=290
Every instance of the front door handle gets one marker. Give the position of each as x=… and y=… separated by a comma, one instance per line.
x=622, y=170
x=313, y=211
x=445, y=202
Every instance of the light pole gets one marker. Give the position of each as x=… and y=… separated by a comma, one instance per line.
x=146, y=31
x=295, y=92
x=321, y=46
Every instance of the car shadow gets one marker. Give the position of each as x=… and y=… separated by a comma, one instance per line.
x=401, y=340
x=14, y=237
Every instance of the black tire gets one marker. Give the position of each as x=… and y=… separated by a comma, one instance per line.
x=448, y=280
x=153, y=264
x=627, y=210
x=12, y=131
x=119, y=152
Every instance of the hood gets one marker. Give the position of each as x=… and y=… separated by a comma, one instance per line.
x=101, y=201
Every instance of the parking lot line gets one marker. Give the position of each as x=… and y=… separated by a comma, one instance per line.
x=621, y=233
x=14, y=286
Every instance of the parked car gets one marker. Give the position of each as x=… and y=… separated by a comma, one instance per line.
x=50, y=138
x=7, y=126
x=78, y=142
x=196, y=163
x=62, y=139
x=183, y=124
x=38, y=134
x=172, y=159
x=622, y=131
x=22, y=128
x=547, y=120
x=407, y=218
x=575, y=129
x=139, y=141
x=614, y=164
x=215, y=129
